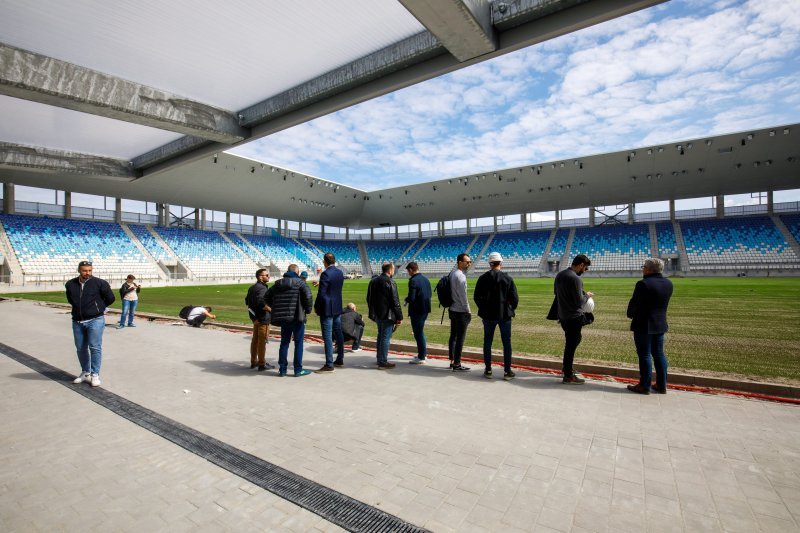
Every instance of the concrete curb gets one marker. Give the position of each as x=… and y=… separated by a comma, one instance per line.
x=690, y=380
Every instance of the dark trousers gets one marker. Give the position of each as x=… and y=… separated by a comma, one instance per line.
x=572, y=335
x=197, y=321
x=458, y=332
x=291, y=330
x=488, y=337
x=418, y=327
x=648, y=346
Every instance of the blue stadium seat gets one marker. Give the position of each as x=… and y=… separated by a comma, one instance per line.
x=559, y=245
x=613, y=248
x=207, y=254
x=747, y=242
x=667, y=243
x=347, y=255
x=281, y=251
x=520, y=250
x=441, y=252
x=394, y=251
x=52, y=247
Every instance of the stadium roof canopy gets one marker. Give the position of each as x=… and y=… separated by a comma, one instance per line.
x=140, y=99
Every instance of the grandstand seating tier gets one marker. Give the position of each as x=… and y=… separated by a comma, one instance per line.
x=613, y=248
x=732, y=242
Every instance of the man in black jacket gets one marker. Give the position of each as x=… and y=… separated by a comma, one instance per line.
x=352, y=328
x=570, y=299
x=291, y=301
x=385, y=310
x=89, y=297
x=648, y=313
x=497, y=299
x=258, y=310
x=419, y=306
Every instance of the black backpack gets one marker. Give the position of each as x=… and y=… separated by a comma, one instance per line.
x=184, y=313
x=443, y=292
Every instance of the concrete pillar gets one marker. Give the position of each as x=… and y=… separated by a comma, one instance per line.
x=419, y=231
x=203, y=216
x=167, y=216
x=285, y=228
x=523, y=221
x=631, y=213
x=67, y=204
x=770, y=203
x=197, y=215
x=371, y=233
x=396, y=233
x=255, y=225
x=672, y=210
x=347, y=234
x=558, y=218
x=591, y=217
x=118, y=210
x=227, y=221
x=8, y=199
x=720, y=206
x=494, y=224
x=322, y=231
x=469, y=226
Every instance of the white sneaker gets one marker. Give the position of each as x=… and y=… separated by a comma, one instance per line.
x=95, y=380
x=84, y=376
x=353, y=350
x=417, y=361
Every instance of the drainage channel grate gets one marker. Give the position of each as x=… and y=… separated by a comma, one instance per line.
x=331, y=505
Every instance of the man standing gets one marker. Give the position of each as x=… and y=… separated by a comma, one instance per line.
x=570, y=299
x=352, y=326
x=648, y=313
x=290, y=300
x=129, y=292
x=329, y=308
x=419, y=306
x=497, y=299
x=89, y=298
x=258, y=310
x=459, y=312
x=385, y=311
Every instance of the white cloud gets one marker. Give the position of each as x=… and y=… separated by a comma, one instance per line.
x=683, y=69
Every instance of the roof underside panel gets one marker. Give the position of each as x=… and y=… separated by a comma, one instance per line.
x=35, y=124
x=227, y=54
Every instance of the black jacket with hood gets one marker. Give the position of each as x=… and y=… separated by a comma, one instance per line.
x=90, y=299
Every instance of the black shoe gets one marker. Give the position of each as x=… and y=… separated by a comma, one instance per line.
x=338, y=363
x=639, y=389
x=659, y=391
x=324, y=370
x=261, y=368
x=461, y=368
x=508, y=376
x=252, y=365
x=573, y=380
x=487, y=373
x=386, y=366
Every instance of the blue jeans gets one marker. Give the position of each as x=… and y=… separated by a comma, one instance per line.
x=296, y=330
x=488, y=337
x=88, y=337
x=128, y=307
x=332, y=326
x=384, y=338
x=418, y=327
x=648, y=346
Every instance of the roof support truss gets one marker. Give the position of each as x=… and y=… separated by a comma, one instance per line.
x=463, y=26
x=18, y=156
x=46, y=80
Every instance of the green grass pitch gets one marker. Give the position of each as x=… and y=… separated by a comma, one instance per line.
x=747, y=326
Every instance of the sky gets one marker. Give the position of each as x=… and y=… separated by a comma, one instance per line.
x=684, y=69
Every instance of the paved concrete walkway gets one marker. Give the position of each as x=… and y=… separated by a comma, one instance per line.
x=442, y=451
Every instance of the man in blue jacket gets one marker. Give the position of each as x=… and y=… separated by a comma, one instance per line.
x=89, y=297
x=419, y=306
x=648, y=313
x=328, y=306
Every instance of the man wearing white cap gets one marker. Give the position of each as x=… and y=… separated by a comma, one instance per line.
x=497, y=299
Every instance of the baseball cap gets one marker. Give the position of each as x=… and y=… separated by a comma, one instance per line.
x=304, y=274
x=84, y=264
x=495, y=257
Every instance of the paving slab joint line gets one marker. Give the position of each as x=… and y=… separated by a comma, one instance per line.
x=335, y=507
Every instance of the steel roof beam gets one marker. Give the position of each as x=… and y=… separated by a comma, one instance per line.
x=38, y=78
x=18, y=156
x=464, y=27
